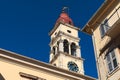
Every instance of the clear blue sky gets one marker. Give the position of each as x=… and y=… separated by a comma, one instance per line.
x=25, y=24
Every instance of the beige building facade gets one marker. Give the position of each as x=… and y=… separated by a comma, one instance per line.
x=18, y=67
x=104, y=27
x=65, y=57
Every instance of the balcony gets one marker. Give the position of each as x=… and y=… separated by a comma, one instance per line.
x=114, y=31
x=110, y=30
x=114, y=24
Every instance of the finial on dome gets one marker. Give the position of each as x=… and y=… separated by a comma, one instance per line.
x=65, y=9
x=64, y=17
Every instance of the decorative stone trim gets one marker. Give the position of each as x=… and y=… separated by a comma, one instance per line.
x=56, y=26
x=77, y=47
x=113, y=72
x=30, y=76
x=61, y=41
x=55, y=57
x=62, y=33
x=69, y=35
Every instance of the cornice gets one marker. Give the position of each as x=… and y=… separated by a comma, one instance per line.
x=99, y=16
x=63, y=23
x=62, y=33
x=76, y=38
x=19, y=59
x=64, y=53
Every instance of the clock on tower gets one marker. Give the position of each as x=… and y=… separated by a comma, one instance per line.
x=73, y=66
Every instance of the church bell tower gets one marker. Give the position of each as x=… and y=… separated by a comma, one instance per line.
x=65, y=50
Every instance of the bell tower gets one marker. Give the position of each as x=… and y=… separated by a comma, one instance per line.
x=65, y=50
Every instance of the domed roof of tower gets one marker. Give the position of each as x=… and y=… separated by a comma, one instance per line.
x=64, y=17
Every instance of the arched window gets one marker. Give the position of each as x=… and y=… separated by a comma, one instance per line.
x=53, y=50
x=66, y=46
x=58, y=46
x=73, y=49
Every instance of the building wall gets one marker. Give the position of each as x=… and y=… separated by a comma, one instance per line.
x=114, y=17
x=100, y=42
x=64, y=29
x=62, y=62
x=10, y=71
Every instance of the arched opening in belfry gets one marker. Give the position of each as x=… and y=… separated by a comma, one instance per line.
x=57, y=46
x=53, y=50
x=66, y=46
x=73, y=49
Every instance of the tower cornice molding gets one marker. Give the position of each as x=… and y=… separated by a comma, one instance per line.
x=77, y=46
x=62, y=33
x=64, y=53
x=61, y=40
x=63, y=23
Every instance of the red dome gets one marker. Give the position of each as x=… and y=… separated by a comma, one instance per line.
x=64, y=18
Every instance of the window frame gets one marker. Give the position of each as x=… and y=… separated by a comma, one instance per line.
x=68, y=31
x=66, y=46
x=104, y=27
x=73, y=49
x=54, y=50
x=110, y=62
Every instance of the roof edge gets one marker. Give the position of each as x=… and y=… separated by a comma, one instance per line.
x=92, y=21
x=41, y=65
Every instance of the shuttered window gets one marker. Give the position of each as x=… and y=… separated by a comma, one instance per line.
x=104, y=27
x=111, y=61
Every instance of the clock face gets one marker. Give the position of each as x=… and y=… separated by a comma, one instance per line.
x=73, y=66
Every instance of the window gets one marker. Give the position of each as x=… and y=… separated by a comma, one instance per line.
x=58, y=47
x=54, y=50
x=54, y=64
x=104, y=27
x=66, y=46
x=73, y=49
x=111, y=61
x=55, y=33
x=68, y=31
